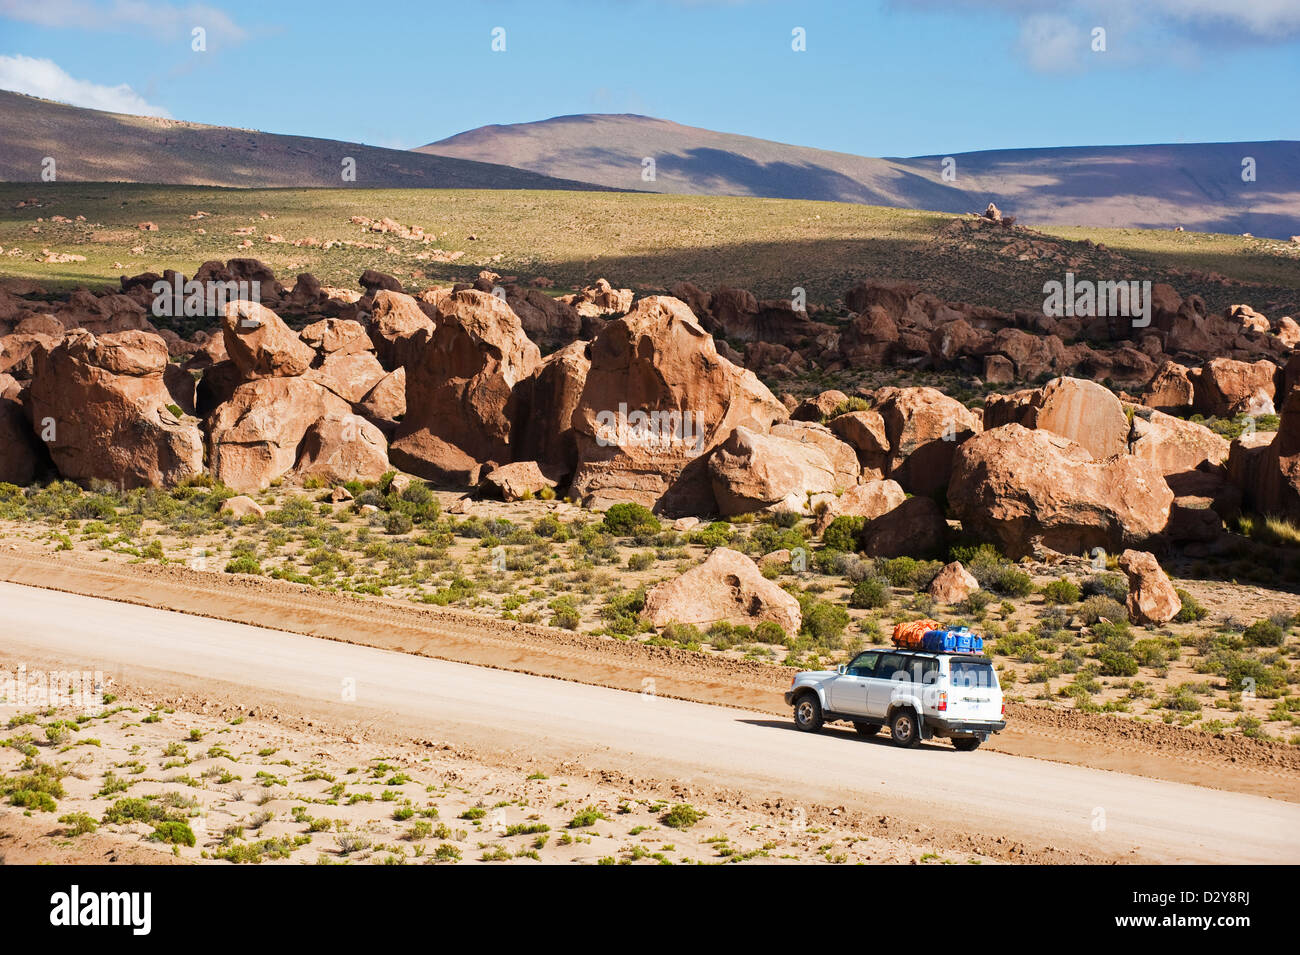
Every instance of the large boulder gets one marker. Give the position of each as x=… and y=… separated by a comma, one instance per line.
x=350, y=375
x=751, y=471
x=254, y=437
x=518, y=480
x=870, y=499
x=544, y=319
x=1173, y=444
x=924, y=427
x=1226, y=388
x=1020, y=489
x=342, y=447
x=459, y=392
x=1087, y=413
x=337, y=336
x=865, y=432
x=398, y=328
x=953, y=584
x=20, y=459
x=843, y=459
x=1268, y=472
x=1151, y=596
x=657, y=399
x=102, y=406
x=1171, y=390
x=547, y=400
x=260, y=344
x=729, y=587
x=916, y=528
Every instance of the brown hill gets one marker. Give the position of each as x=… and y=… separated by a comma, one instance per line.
x=1195, y=185
x=93, y=146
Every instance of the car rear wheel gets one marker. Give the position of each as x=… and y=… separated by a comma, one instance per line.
x=808, y=713
x=867, y=729
x=903, y=728
x=967, y=743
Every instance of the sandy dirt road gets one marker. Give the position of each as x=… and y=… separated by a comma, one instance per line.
x=1098, y=813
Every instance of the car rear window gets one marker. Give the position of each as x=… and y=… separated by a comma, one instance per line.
x=973, y=673
x=907, y=668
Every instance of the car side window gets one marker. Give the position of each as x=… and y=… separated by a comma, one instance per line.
x=863, y=664
x=889, y=665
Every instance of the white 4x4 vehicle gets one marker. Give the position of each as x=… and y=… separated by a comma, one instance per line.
x=915, y=693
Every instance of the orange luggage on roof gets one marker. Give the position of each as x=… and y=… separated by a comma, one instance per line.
x=910, y=634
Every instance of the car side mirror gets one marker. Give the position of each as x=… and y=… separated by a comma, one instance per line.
x=841, y=669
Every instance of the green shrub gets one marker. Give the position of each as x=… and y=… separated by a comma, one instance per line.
x=1117, y=663
x=588, y=816
x=627, y=518
x=1061, y=591
x=1264, y=633
x=870, y=594
x=79, y=823
x=770, y=632
x=842, y=533
x=823, y=622
x=1114, y=586
x=33, y=799
x=244, y=564
x=1100, y=607
x=564, y=613
x=641, y=560
x=681, y=816
x=1191, y=610
x=173, y=831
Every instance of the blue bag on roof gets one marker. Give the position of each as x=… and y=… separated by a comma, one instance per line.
x=959, y=640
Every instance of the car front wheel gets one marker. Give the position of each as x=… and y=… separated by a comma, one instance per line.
x=808, y=713
x=903, y=728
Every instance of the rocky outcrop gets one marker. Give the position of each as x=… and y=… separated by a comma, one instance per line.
x=102, y=407
x=924, y=427
x=254, y=437
x=727, y=586
x=657, y=399
x=459, y=392
x=260, y=344
x=870, y=500
x=916, y=528
x=1226, y=388
x=1022, y=489
x=1087, y=413
x=398, y=328
x=751, y=471
x=342, y=447
x=546, y=402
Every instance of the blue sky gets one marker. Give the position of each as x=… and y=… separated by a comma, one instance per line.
x=878, y=77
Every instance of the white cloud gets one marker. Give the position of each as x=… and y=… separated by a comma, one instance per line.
x=1052, y=43
x=45, y=78
x=160, y=19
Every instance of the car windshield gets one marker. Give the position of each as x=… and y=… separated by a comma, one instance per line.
x=863, y=664
x=971, y=673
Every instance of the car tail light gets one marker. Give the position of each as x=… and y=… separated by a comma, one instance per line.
x=943, y=700
x=1004, y=707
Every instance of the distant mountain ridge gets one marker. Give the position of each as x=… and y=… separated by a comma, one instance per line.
x=1197, y=186
x=91, y=145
